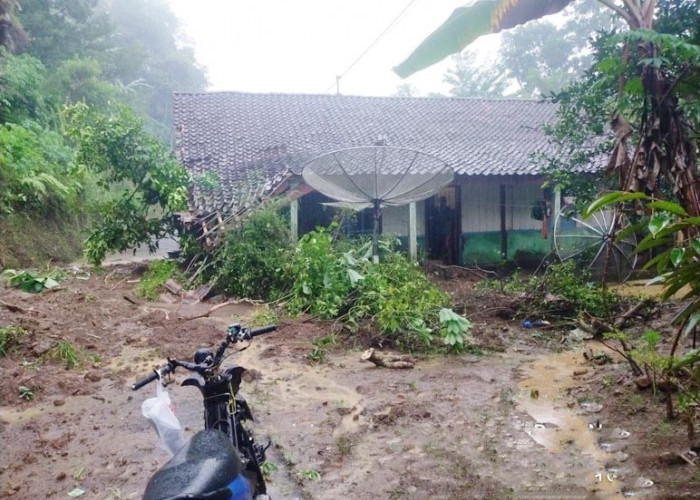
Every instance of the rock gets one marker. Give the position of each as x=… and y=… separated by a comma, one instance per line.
x=61, y=476
x=643, y=482
x=93, y=376
x=621, y=457
x=41, y=348
x=59, y=402
x=343, y=410
x=670, y=458
x=613, y=447
x=578, y=335
x=618, y=433
x=642, y=383
x=578, y=373
x=591, y=407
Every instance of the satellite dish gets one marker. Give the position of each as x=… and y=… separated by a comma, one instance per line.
x=376, y=176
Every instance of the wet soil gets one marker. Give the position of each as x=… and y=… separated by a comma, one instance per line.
x=523, y=418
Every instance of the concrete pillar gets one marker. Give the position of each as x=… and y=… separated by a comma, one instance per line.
x=412, y=232
x=294, y=219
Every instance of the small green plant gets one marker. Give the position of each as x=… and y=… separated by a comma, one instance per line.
x=319, y=346
x=208, y=181
x=64, y=352
x=32, y=281
x=263, y=316
x=158, y=272
x=268, y=468
x=310, y=474
x=455, y=329
x=664, y=428
x=25, y=393
x=344, y=444
x=8, y=337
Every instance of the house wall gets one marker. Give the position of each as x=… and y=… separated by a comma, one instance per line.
x=481, y=221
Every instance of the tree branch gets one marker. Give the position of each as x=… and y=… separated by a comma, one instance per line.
x=622, y=12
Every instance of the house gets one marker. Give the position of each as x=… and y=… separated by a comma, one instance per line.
x=237, y=145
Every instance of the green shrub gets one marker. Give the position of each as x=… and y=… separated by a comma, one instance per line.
x=32, y=281
x=400, y=300
x=567, y=282
x=323, y=277
x=393, y=296
x=158, y=272
x=252, y=260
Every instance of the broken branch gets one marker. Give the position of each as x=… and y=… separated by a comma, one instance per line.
x=387, y=360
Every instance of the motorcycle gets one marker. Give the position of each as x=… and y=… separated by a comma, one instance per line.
x=222, y=461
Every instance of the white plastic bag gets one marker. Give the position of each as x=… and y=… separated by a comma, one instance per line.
x=159, y=411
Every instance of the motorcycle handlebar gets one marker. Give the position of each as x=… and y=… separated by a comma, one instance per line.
x=164, y=370
x=245, y=334
x=254, y=332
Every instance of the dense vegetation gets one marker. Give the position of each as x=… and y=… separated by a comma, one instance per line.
x=84, y=119
x=333, y=278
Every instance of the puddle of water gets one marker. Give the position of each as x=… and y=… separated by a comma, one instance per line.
x=558, y=427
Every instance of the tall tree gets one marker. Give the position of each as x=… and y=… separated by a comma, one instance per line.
x=12, y=34
x=535, y=59
x=469, y=78
x=147, y=31
x=663, y=147
x=65, y=29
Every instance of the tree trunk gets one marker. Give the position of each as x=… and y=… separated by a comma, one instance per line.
x=664, y=149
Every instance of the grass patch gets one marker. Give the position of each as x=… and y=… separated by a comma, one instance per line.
x=158, y=272
x=65, y=353
x=9, y=337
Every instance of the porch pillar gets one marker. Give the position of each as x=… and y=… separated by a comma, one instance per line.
x=412, y=232
x=556, y=209
x=294, y=219
x=504, y=232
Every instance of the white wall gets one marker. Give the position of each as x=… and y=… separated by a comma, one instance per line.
x=481, y=206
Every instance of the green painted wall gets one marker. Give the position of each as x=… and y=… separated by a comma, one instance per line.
x=525, y=247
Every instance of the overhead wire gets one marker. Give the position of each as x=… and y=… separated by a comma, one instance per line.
x=371, y=45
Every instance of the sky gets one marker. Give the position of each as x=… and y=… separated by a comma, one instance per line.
x=299, y=46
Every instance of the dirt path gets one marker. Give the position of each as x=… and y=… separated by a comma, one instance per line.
x=500, y=425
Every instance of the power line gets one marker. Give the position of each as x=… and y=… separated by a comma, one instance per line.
x=371, y=45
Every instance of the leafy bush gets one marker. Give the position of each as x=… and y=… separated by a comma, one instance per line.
x=454, y=328
x=393, y=295
x=32, y=281
x=38, y=173
x=323, y=277
x=398, y=298
x=335, y=280
x=564, y=284
x=158, y=272
x=253, y=258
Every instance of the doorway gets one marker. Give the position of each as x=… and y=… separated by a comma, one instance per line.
x=443, y=227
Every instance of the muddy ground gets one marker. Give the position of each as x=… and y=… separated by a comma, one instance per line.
x=508, y=421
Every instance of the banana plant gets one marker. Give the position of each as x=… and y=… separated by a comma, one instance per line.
x=664, y=149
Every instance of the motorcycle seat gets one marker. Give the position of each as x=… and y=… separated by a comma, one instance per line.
x=206, y=464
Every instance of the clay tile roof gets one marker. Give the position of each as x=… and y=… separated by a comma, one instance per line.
x=251, y=140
